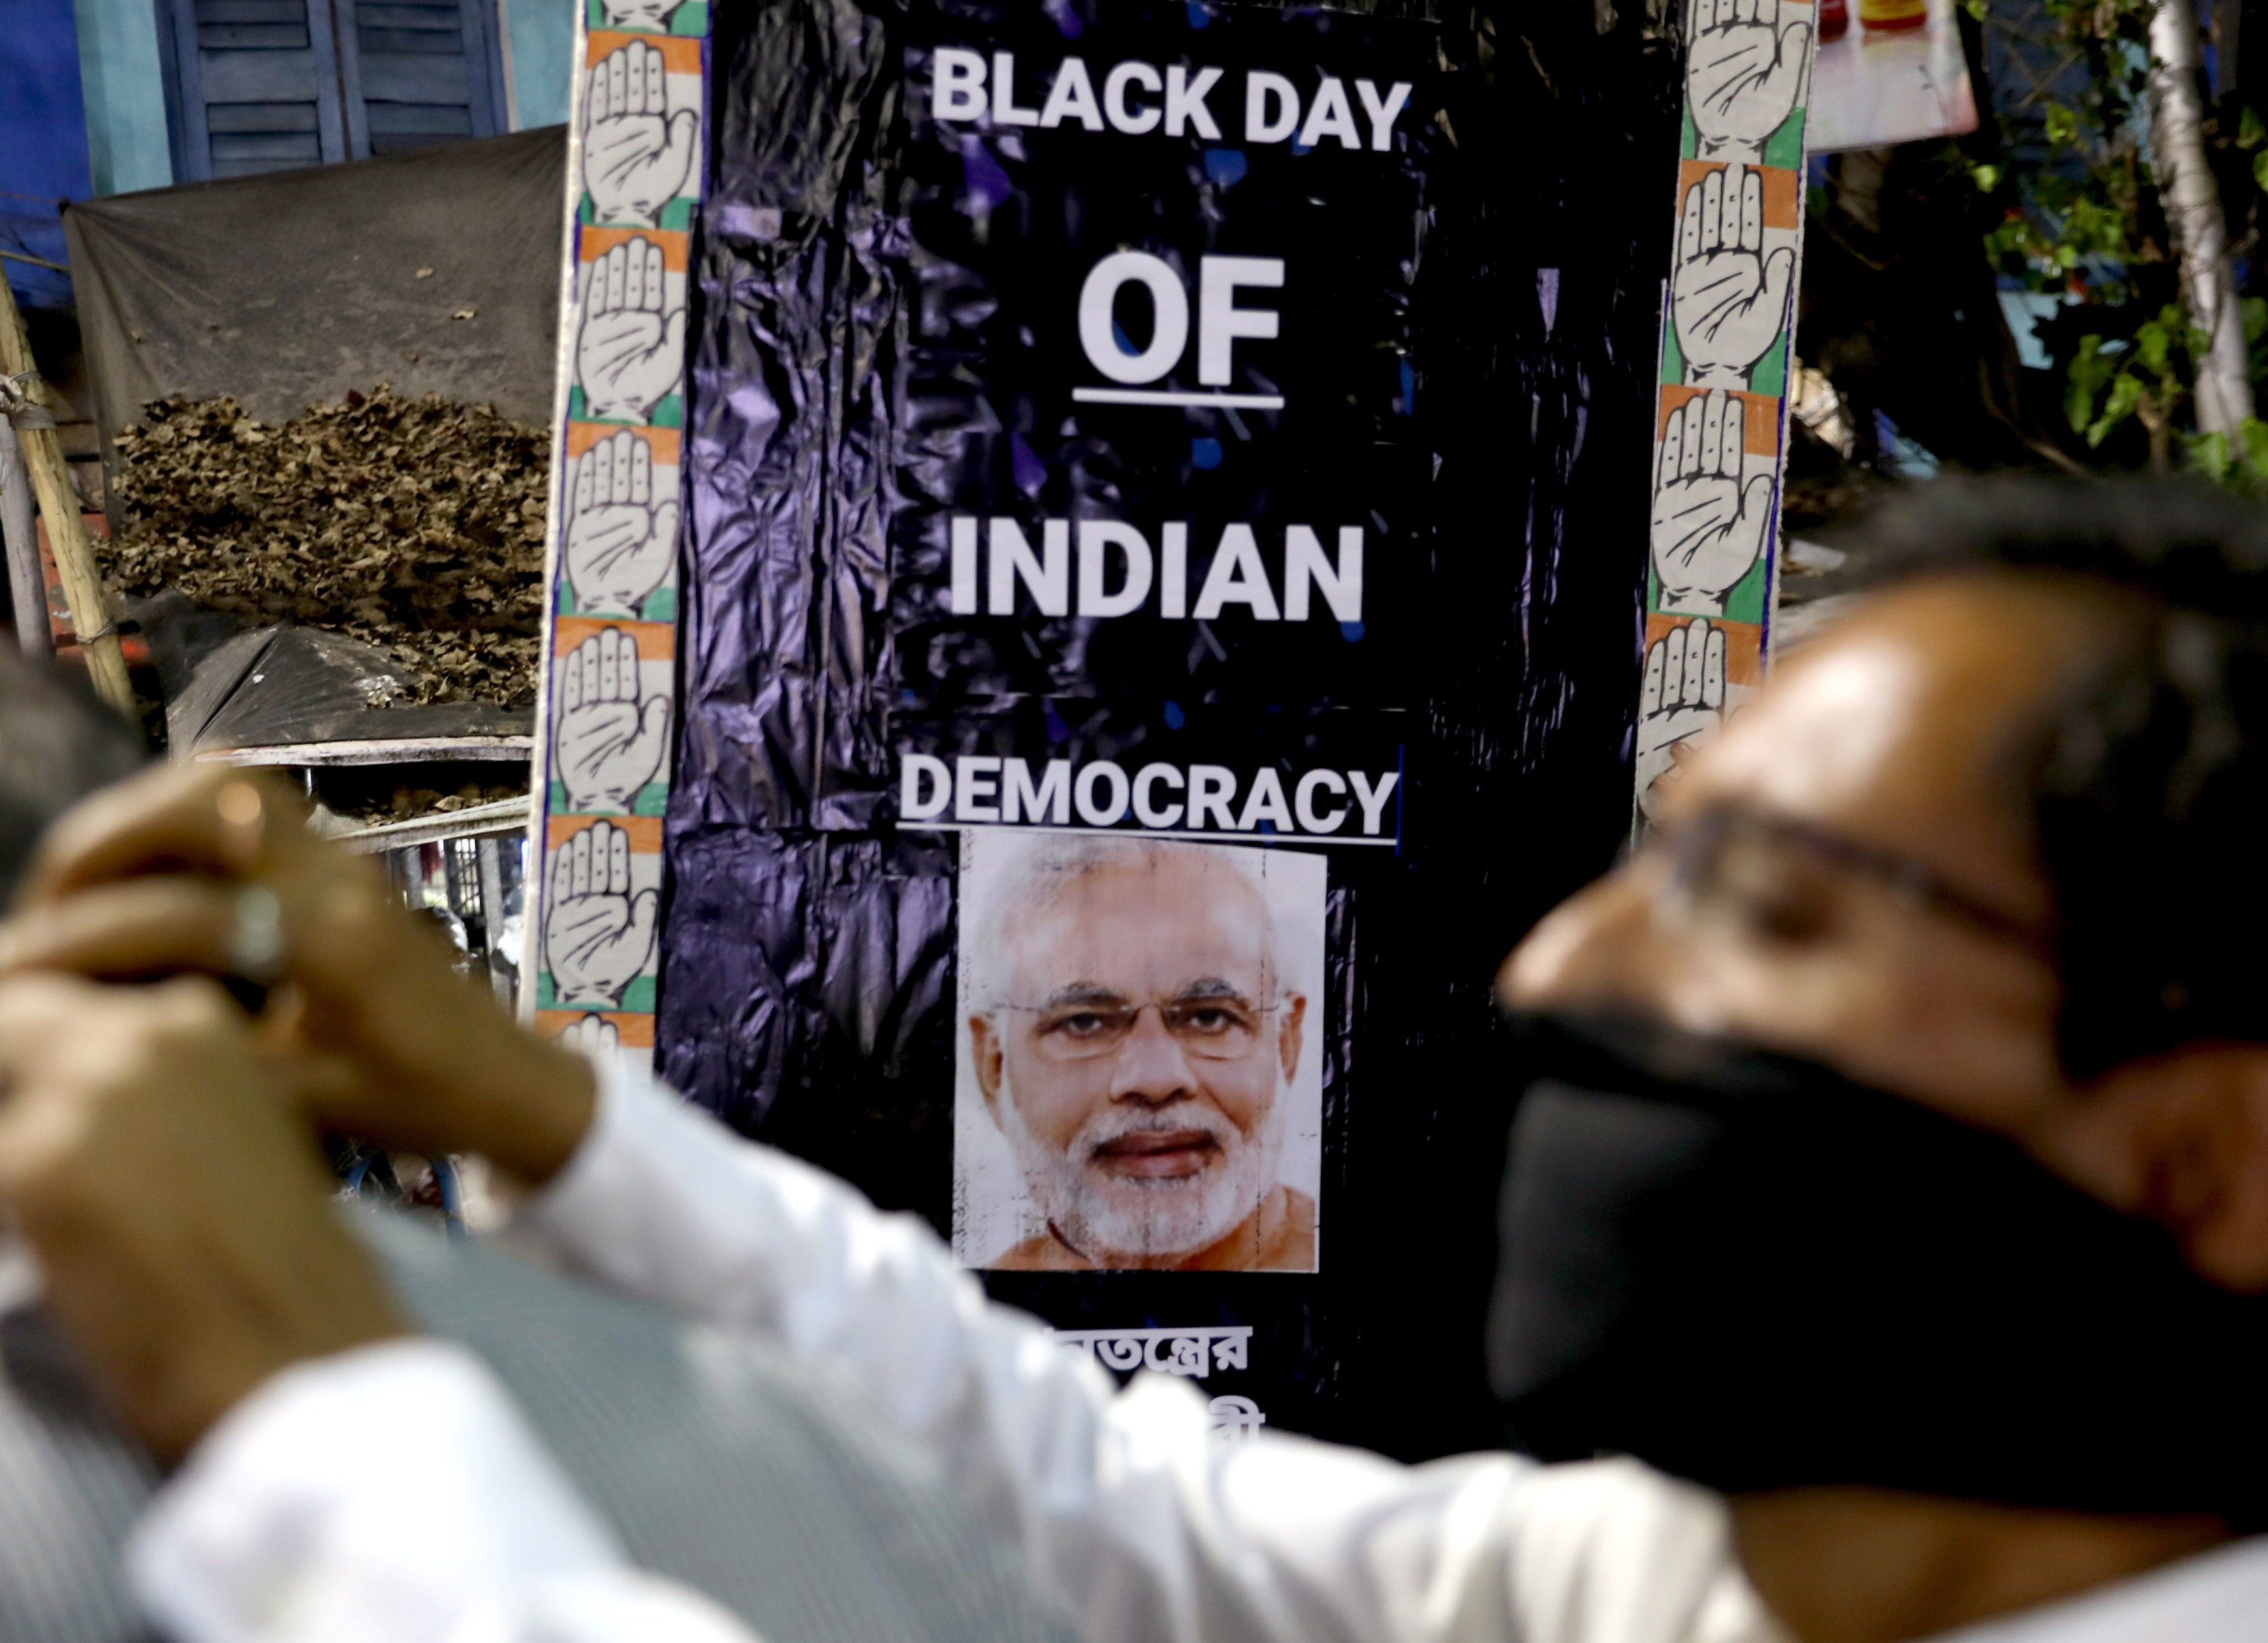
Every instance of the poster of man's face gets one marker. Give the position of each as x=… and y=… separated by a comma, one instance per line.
x=1139, y=1079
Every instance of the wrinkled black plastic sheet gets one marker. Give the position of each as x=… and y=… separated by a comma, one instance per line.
x=1477, y=310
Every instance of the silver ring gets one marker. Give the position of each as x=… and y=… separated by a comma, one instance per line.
x=255, y=943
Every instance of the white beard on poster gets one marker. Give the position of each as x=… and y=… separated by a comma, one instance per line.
x=1138, y=1217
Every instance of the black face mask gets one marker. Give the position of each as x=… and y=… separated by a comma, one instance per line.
x=1751, y=1272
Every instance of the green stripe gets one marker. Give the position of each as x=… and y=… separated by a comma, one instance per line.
x=638, y=997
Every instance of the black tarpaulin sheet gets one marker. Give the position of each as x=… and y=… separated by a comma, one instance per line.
x=890, y=355
x=275, y=686
x=290, y=289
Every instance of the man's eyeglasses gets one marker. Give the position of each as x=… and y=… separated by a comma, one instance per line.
x=1705, y=856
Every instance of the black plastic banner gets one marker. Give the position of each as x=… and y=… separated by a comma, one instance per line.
x=1115, y=660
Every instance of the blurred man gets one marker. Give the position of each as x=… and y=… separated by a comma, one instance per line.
x=1134, y=1043
x=1898, y=1180
x=372, y=1434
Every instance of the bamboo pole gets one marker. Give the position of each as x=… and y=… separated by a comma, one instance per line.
x=27, y=589
x=43, y=455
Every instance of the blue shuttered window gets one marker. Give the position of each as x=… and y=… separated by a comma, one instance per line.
x=264, y=84
x=416, y=89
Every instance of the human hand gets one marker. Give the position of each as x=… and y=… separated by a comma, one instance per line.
x=637, y=155
x=212, y=869
x=649, y=15
x=1682, y=700
x=630, y=352
x=621, y=542
x=1709, y=529
x=597, y=935
x=178, y=1204
x=1744, y=66
x=1728, y=300
x=605, y=747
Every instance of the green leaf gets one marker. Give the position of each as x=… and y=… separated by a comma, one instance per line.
x=2253, y=311
x=2062, y=125
x=1987, y=178
x=2125, y=394
x=2089, y=370
x=2241, y=465
x=2152, y=340
x=2209, y=455
x=2260, y=167
x=2249, y=132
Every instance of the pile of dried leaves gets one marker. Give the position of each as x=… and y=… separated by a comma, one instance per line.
x=406, y=801
x=415, y=525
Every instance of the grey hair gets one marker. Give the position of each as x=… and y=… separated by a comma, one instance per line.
x=1050, y=862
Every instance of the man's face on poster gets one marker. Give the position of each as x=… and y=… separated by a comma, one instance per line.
x=1137, y=1062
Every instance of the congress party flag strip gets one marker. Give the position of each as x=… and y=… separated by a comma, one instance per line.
x=608, y=699
x=1728, y=330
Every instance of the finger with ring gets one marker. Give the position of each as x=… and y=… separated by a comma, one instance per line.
x=255, y=943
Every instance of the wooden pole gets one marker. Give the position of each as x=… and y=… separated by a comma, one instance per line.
x=43, y=455
x=20, y=534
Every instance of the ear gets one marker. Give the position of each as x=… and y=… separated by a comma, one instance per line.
x=2182, y=1139
x=985, y=1051
x=1287, y=1037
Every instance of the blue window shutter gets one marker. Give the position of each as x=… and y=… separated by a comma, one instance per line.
x=267, y=85
x=259, y=86
x=418, y=73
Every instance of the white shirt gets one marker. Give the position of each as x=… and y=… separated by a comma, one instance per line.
x=1155, y=1530
x=466, y=1534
